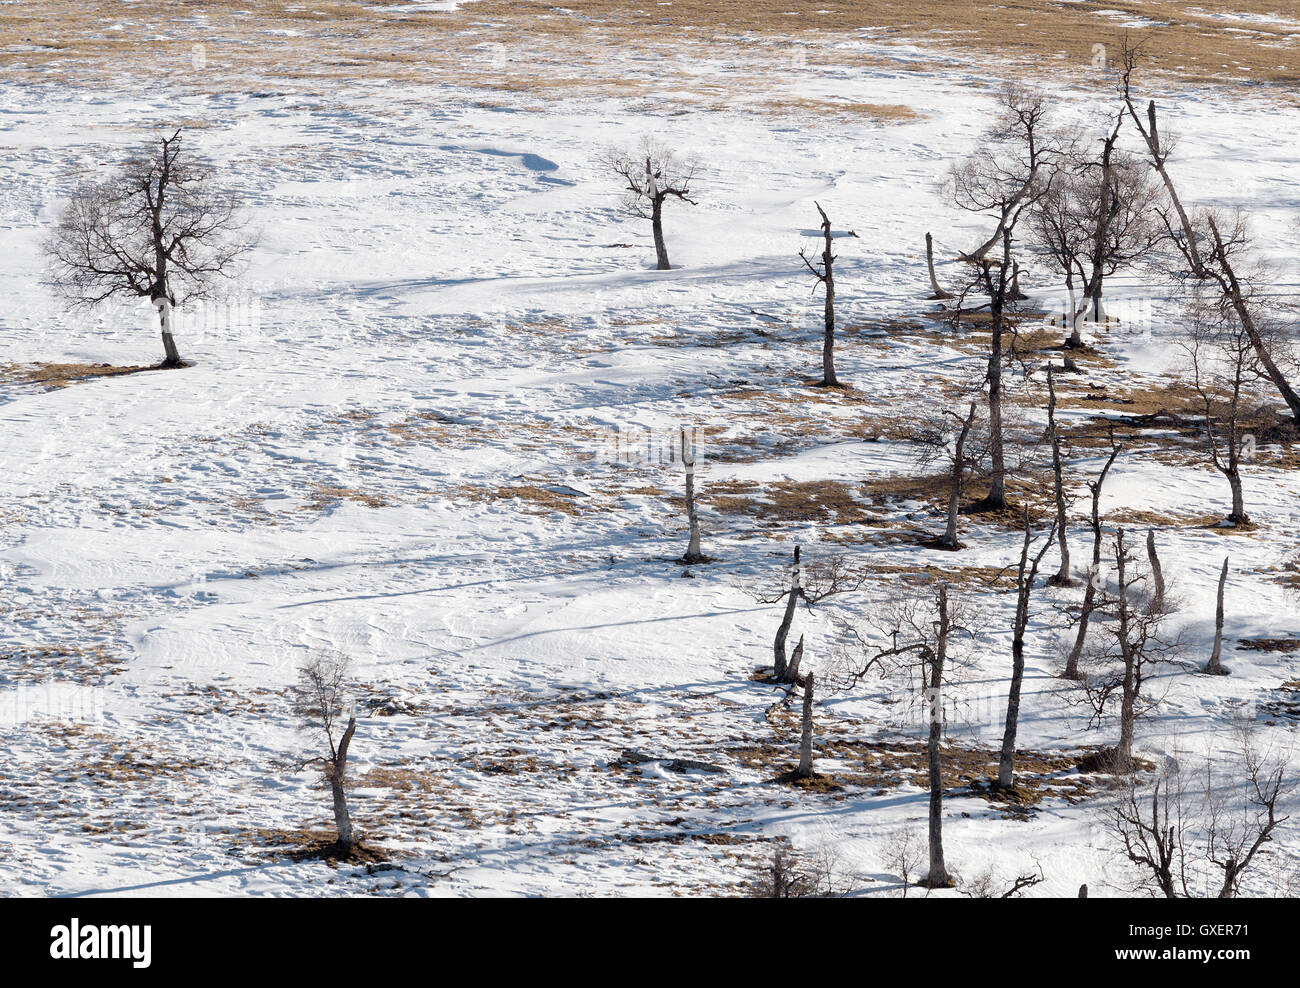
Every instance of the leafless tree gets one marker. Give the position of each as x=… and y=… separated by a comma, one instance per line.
x=1159, y=147
x=1224, y=364
x=903, y=853
x=805, y=769
x=653, y=174
x=322, y=700
x=1062, y=577
x=1137, y=608
x=823, y=579
x=1009, y=171
x=963, y=443
x=1026, y=574
x=1212, y=248
x=159, y=229
x=1071, y=670
x=988, y=885
x=1191, y=844
x=913, y=637
x=1015, y=165
x=825, y=276
x=1094, y=219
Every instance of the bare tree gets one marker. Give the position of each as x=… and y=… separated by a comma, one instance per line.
x=914, y=637
x=964, y=444
x=322, y=700
x=1137, y=609
x=902, y=853
x=1071, y=670
x=825, y=276
x=825, y=578
x=1176, y=836
x=1015, y=165
x=1224, y=362
x=158, y=229
x=1159, y=147
x=1225, y=260
x=1006, y=175
x=653, y=174
x=1024, y=587
x=1095, y=218
x=1062, y=577
x=805, y=769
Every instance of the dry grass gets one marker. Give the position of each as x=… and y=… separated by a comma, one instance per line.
x=613, y=48
x=49, y=376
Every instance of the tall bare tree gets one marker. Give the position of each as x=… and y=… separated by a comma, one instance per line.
x=825, y=276
x=823, y=579
x=1138, y=609
x=322, y=700
x=159, y=229
x=961, y=442
x=1224, y=364
x=913, y=636
x=653, y=174
x=1071, y=670
x=1024, y=588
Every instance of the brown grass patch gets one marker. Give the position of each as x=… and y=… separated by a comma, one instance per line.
x=49, y=376
x=599, y=46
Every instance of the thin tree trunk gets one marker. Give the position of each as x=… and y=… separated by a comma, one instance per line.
x=936, y=291
x=805, y=742
x=938, y=875
x=828, y=280
x=949, y=539
x=1006, y=762
x=1238, y=516
x=787, y=619
x=1215, y=667
x=1128, y=704
x=693, y=554
x=1062, y=578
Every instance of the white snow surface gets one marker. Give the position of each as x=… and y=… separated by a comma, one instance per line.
x=442, y=314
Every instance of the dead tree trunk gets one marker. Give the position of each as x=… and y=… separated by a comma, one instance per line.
x=1215, y=667
x=805, y=742
x=949, y=540
x=938, y=875
x=826, y=277
x=1128, y=699
x=1062, y=577
x=1024, y=588
x=338, y=773
x=1157, y=572
x=796, y=659
x=779, y=666
x=936, y=292
x=693, y=554
x=1094, y=575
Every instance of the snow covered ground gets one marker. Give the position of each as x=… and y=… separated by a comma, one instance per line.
x=433, y=436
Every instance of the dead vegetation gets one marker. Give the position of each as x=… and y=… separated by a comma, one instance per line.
x=597, y=46
x=49, y=376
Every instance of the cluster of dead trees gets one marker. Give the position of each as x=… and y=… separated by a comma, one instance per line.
x=1087, y=206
